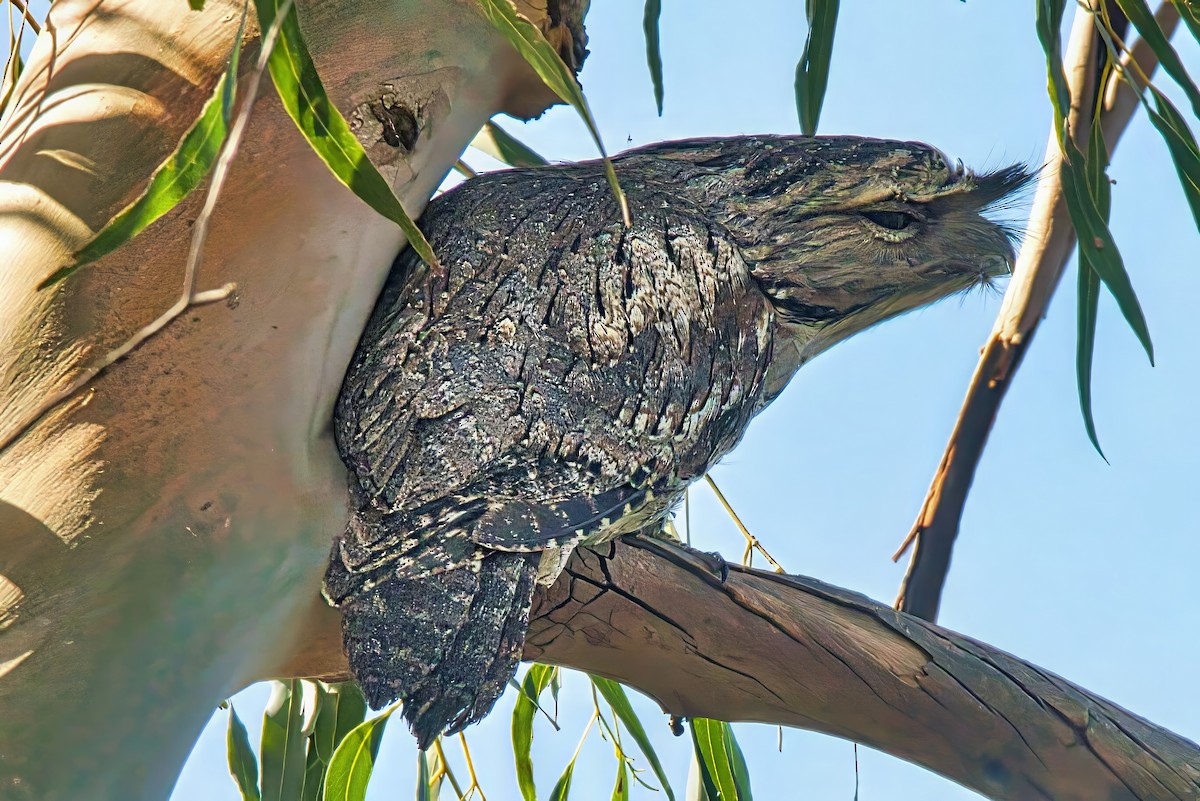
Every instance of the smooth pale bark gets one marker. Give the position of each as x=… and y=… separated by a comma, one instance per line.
x=163, y=533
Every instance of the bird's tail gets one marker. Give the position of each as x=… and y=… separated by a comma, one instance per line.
x=445, y=644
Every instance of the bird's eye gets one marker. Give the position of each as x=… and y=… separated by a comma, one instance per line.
x=892, y=220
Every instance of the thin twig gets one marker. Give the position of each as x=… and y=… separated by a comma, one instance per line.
x=687, y=516
x=437, y=744
x=25, y=15
x=1039, y=267
x=470, y=770
x=752, y=543
x=189, y=296
x=529, y=697
x=465, y=169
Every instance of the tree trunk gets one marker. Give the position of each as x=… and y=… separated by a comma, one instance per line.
x=163, y=533
x=772, y=648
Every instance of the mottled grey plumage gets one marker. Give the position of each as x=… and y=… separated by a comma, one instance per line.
x=566, y=378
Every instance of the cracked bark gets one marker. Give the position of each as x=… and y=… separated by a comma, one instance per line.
x=790, y=650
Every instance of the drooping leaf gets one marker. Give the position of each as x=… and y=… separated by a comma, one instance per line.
x=700, y=786
x=326, y=130
x=282, y=750
x=528, y=40
x=503, y=146
x=1049, y=23
x=1089, y=282
x=1190, y=12
x=562, y=788
x=314, y=774
x=354, y=760
x=555, y=686
x=175, y=178
x=653, y=54
x=243, y=765
x=721, y=762
x=621, y=785
x=1097, y=243
x=812, y=71
x=737, y=759
x=1185, y=155
x=537, y=678
x=429, y=788
x=1095, y=240
x=1147, y=27
x=342, y=708
x=615, y=695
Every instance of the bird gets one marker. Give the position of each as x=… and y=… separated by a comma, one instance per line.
x=563, y=378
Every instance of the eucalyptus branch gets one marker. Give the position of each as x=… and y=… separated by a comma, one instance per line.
x=752, y=542
x=25, y=15
x=1043, y=257
x=760, y=646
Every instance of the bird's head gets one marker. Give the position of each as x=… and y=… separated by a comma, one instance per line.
x=844, y=232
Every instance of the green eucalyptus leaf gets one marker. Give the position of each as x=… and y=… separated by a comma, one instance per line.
x=562, y=788
x=175, y=178
x=653, y=54
x=1089, y=282
x=1185, y=155
x=503, y=146
x=621, y=785
x=812, y=71
x=314, y=775
x=243, y=765
x=1142, y=17
x=1097, y=245
x=1049, y=23
x=428, y=763
x=528, y=40
x=737, y=760
x=324, y=127
x=1089, y=293
x=342, y=708
x=721, y=763
x=700, y=786
x=555, y=686
x=1190, y=12
x=282, y=750
x=354, y=760
x=537, y=678
x=616, y=697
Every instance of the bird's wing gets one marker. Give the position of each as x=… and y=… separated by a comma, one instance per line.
x=519, y=525
x=564, y=371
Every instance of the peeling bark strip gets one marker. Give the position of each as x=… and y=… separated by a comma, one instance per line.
x=791, y=650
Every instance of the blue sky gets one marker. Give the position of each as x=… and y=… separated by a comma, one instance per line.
x=1083, y=568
